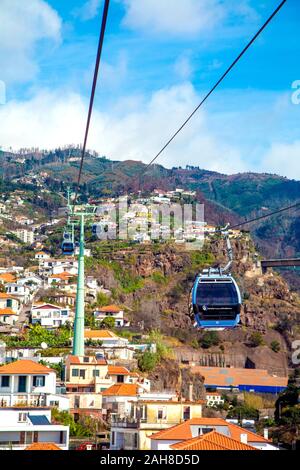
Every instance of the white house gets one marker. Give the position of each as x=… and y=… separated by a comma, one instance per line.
x=33, y=281
x=41, y=255
x=9, y=301
x=192, y=428
x=107, y=338
x=8, y=316
x=30, y=383
x=214, y=399
x=117, y=313
x=50, y=316
x=21, y=291
x=52, y=266
x=20, y=427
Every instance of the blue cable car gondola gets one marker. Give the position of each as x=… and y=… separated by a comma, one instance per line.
x=67, y=245
x=216, y=298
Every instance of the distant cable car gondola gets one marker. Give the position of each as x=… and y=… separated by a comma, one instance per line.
x=215, y=298
x=67, y=245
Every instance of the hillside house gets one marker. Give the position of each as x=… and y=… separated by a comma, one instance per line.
x=23, y=426
x=8, y=316
x=50, y=316
x=214, y=399
x=9, y=301
x=7, y=277
x=40, y=255
x=30, y=383
x=195, y=427
x=87, y=374
x=113, y=311
x=106, y=337
x=20, y=291
x=144, y=417
x=213, y=441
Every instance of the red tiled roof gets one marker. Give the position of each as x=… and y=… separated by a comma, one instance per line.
x=7, y=311
x=110, y=309
x=212, y=441
x=7, y=277
x=115, y=370
x=74, y=360
x=45, y=307
x=25, y=367
x=183, y=432
x=98, y=334
x=43, y=446
x=123, y=390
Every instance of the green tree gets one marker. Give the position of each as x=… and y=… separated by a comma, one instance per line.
x=108, y=322
x=209, y=339
x=256, y=339
x=275, y=346
x=148, y=361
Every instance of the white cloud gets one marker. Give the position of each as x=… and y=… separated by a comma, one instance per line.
x=23, y=25
x=137, y=127
x=88, y=10
x=283, y=159
x=188, y=17
x=134, y=129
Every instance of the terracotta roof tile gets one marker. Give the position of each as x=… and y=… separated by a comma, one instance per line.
x=7, y=311
x=7, y=277
x=74, y=360
x=183, y=431
x=99, y=334
x=110, y=309
x=212, y=441
x=115, y=370
x=43, y=446
x=123, y=390
x=25, y=367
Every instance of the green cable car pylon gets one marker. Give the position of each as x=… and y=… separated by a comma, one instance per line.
x=81, y=215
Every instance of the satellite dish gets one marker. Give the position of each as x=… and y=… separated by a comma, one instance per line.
x=44, y=345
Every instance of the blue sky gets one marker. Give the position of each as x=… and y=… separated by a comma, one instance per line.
x=160, y=57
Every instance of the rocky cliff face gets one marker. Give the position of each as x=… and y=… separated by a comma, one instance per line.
x=270, y=308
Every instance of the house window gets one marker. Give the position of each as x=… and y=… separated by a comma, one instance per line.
x=120, y=379
x=96, y=373
x=162, y=413
x=75, y=372
x=186, y=413
x=39, y=381
x=54, y=404
x=82, y=373
x=203, y=431
x=9, y=303
x=5, y=381
x=86, y=359
x=22, y=417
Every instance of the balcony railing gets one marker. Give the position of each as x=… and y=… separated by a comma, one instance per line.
x=135, y=423
x=22, y=400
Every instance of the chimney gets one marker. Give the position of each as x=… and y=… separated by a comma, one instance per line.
x=244, y=438
x=191, y=392
x=266, y=434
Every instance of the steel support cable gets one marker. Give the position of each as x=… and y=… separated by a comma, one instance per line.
x=92, y=98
